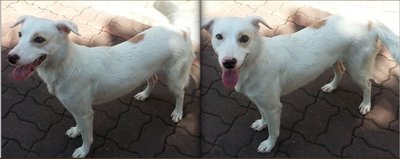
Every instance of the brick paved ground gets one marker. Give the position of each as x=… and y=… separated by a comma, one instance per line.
x=34, y=122
x=313, y=123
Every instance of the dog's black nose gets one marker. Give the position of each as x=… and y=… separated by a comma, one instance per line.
x=12, y=58
x=229, y=63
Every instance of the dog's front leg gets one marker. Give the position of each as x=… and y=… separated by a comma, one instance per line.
x=83, y=113
x=270, y=109
x=86, y=124
x=259, y=124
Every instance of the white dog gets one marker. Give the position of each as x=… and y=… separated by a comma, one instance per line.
x=266, y=68
x=81, y=76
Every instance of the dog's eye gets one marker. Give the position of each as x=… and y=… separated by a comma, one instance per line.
x=219, y=36
x=39, y=40
x=244, y=38
x=19, y=34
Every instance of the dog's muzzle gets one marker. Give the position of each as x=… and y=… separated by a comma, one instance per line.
x=229, y=63
x=12, y=59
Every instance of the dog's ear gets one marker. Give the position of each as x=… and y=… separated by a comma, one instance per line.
x=207, y=25
x=255, y=20
x=66, y=27
x=21, y=20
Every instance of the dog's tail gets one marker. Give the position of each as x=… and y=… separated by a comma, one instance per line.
x=171, y=11
x=389, y=39
x=168, y=9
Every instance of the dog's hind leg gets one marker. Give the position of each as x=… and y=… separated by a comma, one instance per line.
x=359, y=65
x=361, y=77
x=338, y=70
x=151, y=83
x=178, y=78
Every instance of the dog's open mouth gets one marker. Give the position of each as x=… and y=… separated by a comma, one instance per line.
x=23, y=72
x=230, y=77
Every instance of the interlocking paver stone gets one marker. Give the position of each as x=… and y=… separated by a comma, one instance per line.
x=235, y=138
x=215, y=151
x=188, y=143
x=344, y=99
x=55, y=105
x=385, y=109
x=151, y=140
x=110, y=149
x=11, y=148
x=290, y=116
x=226, y=107
x=13, y=97
x=211, y=122
x=317, y=115
x=26, y=133
x=298, y=146
x=171, y=151
x=129, y=127
x=299, y=99
x=339, y=132
x=43, y=116
x=374, y=136
x=113, y=108
x=102, y=123
x=360, y=149
x=56, y=138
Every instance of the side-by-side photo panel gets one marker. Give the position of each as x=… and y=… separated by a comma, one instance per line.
x=100, y=79
x=268, y=89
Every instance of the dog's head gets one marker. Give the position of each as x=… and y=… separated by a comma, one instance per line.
x=38, y=39
x=233, y=39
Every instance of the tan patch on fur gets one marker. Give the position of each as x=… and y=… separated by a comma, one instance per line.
x=184, y=35
x=137, y=38
x=146, y=27
x=378, y=45
x=369, y=25
x=318, y=24
x=339, y=66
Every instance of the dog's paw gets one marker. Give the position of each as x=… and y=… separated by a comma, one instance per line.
x=141, y=96
x=176, y=116
x=266, y=146
x=258, y=125
x=328, y=88
x=73, y=132
x=80, y=152
x=364, y=108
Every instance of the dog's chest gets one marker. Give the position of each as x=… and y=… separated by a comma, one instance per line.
x=248, y=81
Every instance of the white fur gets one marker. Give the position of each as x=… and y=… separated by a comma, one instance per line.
x=81, y=76
x=272, y=67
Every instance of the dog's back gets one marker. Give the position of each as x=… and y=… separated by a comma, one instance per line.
x=156, y=49
x=317, y=47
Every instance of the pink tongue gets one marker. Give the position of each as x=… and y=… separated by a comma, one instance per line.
x=22, y=72
x=230, y=78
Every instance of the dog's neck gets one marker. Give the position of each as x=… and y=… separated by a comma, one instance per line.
x=60, y=53
x=249, y=67
x=48, y=69
x=255, y=55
